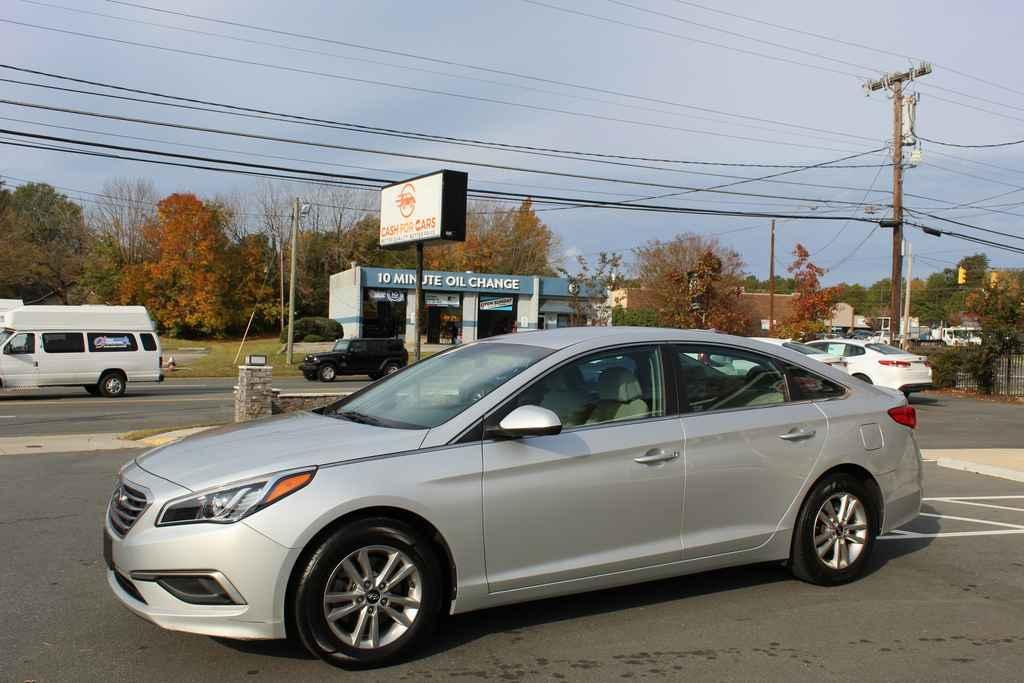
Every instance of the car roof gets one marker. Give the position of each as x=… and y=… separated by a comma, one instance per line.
x=565, y=337
x=855, y=342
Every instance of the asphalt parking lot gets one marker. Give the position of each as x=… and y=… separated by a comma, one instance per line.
x=944, y=600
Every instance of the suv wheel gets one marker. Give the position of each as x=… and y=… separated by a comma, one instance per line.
x=835, y=531
x=369, y=594
x=391, y=368
x=113, y=384
x=327, y=373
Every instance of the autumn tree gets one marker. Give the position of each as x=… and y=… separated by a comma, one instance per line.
x=184, y=284
x=813, y=304
x=999, y=308
x=589, y=286
x=693, y=281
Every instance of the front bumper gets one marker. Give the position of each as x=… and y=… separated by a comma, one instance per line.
x=256, y=567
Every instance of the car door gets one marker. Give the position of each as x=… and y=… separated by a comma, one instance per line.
x=356, y=358
x=20, y=363
x=749, y=447
x=604, y=495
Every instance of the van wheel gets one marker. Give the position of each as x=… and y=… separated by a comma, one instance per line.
x=113, y=384
x=93, y=389
x=369, y=594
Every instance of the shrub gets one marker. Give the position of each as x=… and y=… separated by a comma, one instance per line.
x=945, y=366
x=325, y=328
x=312, y=338
x=634, y=317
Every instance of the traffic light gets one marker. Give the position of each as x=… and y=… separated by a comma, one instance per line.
x=961, y=275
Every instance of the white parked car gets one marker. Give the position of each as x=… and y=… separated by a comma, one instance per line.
x=817, y=354
x=99, y=348
x=880, y=364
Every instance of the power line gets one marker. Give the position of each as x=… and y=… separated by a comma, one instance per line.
x=410, y=88
x=962, y=146
x=842, y=229
x=363, y=128
x=699, y=41
x=474, y=67
x=967, y=225
x=410, y=155
x=405, y=67
x=969, y=238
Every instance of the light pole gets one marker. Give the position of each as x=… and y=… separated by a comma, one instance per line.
x=297, y=212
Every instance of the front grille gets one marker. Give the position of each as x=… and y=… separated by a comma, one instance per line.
x=126, y=506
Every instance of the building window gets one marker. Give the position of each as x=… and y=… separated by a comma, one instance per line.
x=497, y=315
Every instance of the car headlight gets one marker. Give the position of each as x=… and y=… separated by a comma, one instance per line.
x=314, y=359
x=228, y=504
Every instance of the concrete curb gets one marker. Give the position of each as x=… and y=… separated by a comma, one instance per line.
x=979, y=468
x=81, y=443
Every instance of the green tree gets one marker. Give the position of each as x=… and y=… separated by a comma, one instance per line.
x=1000, y=309
x=976, y=267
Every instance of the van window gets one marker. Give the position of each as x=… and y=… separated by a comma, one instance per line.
x=112, y=341
x=22, y=343
x=63, y=342
x=148, y=342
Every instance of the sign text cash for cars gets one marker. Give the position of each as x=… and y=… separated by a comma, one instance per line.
x=430, y=207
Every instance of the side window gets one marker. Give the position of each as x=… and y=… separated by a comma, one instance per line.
x=112, y=341
x=357, y=347
x=63, y=342
x=148, y=342
x=804, y=385
x=22, y=343
x=716, y=378
x=609, y=386
x=852, y=350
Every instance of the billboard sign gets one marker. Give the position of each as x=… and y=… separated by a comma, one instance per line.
x=423, y=209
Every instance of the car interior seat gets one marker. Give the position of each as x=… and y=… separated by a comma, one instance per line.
x=620, y=397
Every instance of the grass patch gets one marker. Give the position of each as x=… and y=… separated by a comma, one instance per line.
x=219, y=361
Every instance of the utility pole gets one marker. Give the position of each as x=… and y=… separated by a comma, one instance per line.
x=771, y=285
x=291, y=280
x=419, y=297
x=906, y=307
x=894, y=83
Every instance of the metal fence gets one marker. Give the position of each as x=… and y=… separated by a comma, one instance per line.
x=1009, y=377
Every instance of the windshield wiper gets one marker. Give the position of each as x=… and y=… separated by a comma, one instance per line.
x=361, y=418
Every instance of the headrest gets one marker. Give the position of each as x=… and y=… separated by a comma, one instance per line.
x=618, y=384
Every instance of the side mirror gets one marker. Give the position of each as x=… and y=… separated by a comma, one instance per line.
x=528, y=421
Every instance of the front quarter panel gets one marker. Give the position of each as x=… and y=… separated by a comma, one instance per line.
x=441, y=485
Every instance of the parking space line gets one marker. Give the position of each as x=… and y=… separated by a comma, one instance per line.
x=971, y=519
x=950, y=534
x=1019, y=497
x=980, y=505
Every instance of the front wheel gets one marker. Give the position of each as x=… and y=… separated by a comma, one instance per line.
x=369, y=594
x=835, y=532
x=327, y=373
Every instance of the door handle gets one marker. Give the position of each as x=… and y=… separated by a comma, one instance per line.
x=798, y=435
x=655, y=456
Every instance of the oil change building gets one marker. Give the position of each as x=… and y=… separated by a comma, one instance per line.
x=376, y=302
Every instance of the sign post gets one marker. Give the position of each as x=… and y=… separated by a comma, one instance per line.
x=423, y=209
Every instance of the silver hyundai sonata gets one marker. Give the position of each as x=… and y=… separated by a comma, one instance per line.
x=520, y=467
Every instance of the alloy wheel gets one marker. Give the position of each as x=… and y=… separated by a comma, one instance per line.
x=112, y=384
x=840, y=530
x=373, y=597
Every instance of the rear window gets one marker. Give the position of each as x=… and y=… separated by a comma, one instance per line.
x=63, y=342
x=112, y=341
x=886, y=349
x=148, y=342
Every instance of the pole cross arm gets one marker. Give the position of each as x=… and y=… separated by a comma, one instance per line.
x=922, y=69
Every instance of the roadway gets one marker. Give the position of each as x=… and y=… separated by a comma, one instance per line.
x=171, y=404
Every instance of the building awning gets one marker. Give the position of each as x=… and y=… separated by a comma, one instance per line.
x=556, y=307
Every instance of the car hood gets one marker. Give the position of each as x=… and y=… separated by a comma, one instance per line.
x=252, y=449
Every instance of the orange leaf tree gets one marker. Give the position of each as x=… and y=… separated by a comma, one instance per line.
x=813, y=304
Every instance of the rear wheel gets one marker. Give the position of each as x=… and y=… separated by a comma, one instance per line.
x=113, y=384
x=327, y=373
x=835, y=531
x=369, y=594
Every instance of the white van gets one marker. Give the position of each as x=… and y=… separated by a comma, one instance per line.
x=100, y=348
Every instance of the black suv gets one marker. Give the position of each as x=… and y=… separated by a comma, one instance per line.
x=373, y=357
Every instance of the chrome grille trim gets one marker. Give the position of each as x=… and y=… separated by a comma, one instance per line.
x=127, y=503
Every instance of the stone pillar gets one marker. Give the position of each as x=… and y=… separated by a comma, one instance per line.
x=253, y=395
x=470, y=319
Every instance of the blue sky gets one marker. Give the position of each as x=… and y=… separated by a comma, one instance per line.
x=537, y=40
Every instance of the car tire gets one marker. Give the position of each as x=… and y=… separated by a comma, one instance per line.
x=92, y=389
x=113, y=384
x=391, y=368
x=334, y=581
x=327, y=373
x=861, y=376
x=831, y=545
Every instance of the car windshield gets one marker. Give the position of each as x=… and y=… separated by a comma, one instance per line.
x=341, y=345
x=5, y=335
x=803, y=348
x=437, y=389
x=886, y=349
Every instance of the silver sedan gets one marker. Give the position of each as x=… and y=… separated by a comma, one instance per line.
x=521, y=467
